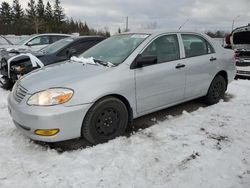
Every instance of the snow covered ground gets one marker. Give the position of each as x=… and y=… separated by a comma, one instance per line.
x=209, y=147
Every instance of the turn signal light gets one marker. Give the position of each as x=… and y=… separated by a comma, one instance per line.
x=46, y=132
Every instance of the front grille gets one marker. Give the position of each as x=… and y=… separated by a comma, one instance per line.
x=19, y=93
x=243, y=63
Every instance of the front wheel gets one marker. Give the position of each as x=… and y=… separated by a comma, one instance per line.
x=216, y=90
x=107, y=119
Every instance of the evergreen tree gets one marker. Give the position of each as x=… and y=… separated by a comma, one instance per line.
x=72, y=25
x=87, y=30
x=40, y=11
x=5, y=17
x=18, y=17
x=37, y=18
x=58, y=16
x=32, y=15
x=48, y=17
x=119, y=30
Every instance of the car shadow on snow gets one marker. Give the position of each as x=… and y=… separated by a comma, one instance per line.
x=138, y=124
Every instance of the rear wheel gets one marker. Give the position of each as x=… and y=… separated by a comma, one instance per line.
x=107, y=119
x=216, y=90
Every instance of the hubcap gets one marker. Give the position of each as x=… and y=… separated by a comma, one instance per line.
x=107, y=122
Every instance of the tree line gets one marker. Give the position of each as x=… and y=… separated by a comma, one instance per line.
x=40, y=17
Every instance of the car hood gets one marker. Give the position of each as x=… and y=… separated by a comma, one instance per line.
x=7, y=55
x=14, y=47
x=63, y=74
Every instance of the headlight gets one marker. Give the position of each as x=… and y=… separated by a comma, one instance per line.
x=51, y=97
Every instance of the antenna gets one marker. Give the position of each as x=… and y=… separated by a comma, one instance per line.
x=126, y=24
x=183, y=24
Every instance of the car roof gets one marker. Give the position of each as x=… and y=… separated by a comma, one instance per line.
x=56, y=34
x=86, y=37
x=160, y=31
x=53, y=34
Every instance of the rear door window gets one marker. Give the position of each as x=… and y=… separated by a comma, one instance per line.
x=55, y=38
x=195, y=45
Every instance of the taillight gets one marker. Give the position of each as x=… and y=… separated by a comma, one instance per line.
x=236, y=55
x=228, y=39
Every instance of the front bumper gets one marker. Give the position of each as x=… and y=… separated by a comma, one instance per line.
x=30, y=118
x=243, y=71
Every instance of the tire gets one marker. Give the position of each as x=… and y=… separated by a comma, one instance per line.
x=6, y=83
x=106, y=119
x=216, y=90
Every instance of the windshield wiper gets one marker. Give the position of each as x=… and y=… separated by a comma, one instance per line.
x=104, y=63
x=6, y=40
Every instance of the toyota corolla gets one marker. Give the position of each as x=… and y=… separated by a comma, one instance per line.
x=97, y=94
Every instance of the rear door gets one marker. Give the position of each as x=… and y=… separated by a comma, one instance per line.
x=163, y=83
x=201, y=61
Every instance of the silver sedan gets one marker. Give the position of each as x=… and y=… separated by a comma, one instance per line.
x=97, y=94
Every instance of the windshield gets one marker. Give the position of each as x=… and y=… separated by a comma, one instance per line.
x=22, y=41
x=4, y=41
x=115, y=49
x=57, y=46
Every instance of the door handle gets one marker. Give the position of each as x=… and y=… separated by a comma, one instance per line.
x=213, y=59
x=179, y=66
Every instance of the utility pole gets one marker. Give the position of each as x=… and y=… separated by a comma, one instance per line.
x=234, y=21
x=126, y=24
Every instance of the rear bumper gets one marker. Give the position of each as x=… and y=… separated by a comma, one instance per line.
x=30, y=118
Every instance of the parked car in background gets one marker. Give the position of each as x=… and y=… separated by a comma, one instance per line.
x=12, y=66
x=123, y=77
x=33, y=42
x=240, y=40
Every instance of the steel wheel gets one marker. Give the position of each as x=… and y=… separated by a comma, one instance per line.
x=107, y=119
x=216, y=90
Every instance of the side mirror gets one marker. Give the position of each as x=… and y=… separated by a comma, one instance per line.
x=71, y=52
x=29, y=44
x=145, y=61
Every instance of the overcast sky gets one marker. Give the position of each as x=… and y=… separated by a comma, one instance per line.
x=202, y=14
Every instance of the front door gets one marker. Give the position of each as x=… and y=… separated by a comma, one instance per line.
x=163, y=83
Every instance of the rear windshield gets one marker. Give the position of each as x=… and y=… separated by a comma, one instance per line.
x=241, y=37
